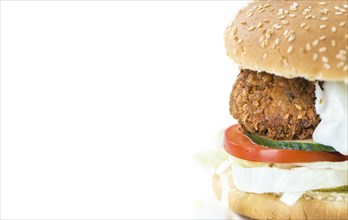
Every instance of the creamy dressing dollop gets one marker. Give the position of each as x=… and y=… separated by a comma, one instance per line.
x=332, y=106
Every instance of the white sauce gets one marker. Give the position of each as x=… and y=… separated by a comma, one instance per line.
x=332, y=106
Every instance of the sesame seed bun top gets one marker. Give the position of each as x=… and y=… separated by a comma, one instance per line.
x=292, y=39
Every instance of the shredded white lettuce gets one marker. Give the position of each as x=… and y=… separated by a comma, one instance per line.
x=289, y=180
x=211, y=159
x=275, y=180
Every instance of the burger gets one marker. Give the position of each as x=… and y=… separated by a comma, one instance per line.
x=287, y=156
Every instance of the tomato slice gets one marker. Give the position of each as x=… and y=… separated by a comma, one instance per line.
x=238, y=145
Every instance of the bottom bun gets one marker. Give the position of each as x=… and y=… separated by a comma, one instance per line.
x=269, y=206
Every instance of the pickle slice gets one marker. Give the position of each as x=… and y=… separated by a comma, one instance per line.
x=305, y=145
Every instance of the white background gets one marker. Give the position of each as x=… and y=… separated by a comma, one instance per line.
x=105, y=104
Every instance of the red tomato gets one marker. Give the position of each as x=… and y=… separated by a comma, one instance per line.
x=238, y=145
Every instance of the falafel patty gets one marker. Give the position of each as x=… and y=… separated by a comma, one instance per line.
x=274, y=106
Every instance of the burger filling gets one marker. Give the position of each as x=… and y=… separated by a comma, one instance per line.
x=292, y=137
x=277, y=107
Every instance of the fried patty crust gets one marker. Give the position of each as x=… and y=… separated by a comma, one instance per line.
x=277, y=107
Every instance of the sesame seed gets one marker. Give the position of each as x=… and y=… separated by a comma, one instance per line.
x=334, y=29
x=290, y=49
x=322, y=49
x=285, y=22
x=266, y=5
x=325, y=59
x=315, y=43
x=268, y=35
x=285, y=61
x=343, y=52
x=324, y=11
x=322, y=26
x=249, y=14
x=308, y=47
x=265, y=55
x=282, y=17
x=259, y=25
x=291, y=38
x=337, y=8
x=251, y=28
x=277, y=41
x=277, y=26
x=340, y=64
x=262, y=38
x=327, y=66
x=324, y=18
x=345, y=5
x=292, y=15
x=303, y=24
x=322, y=3
x=234, y=51
x=342, y=24
x=333, y=43
x=342, y=10
x=295, y=4
x=263, y=44
x=240, y=41
x=286, y=32
x=266, y=20
x=261, y=30
x=341, y=57
x=270, y=31
x=315, y=57
x=243, y=22
x=234, y=31
x=338, y=13
x=322, y=37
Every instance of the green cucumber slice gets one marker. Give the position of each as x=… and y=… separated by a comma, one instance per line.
x=305, y=145
x=340, y=189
